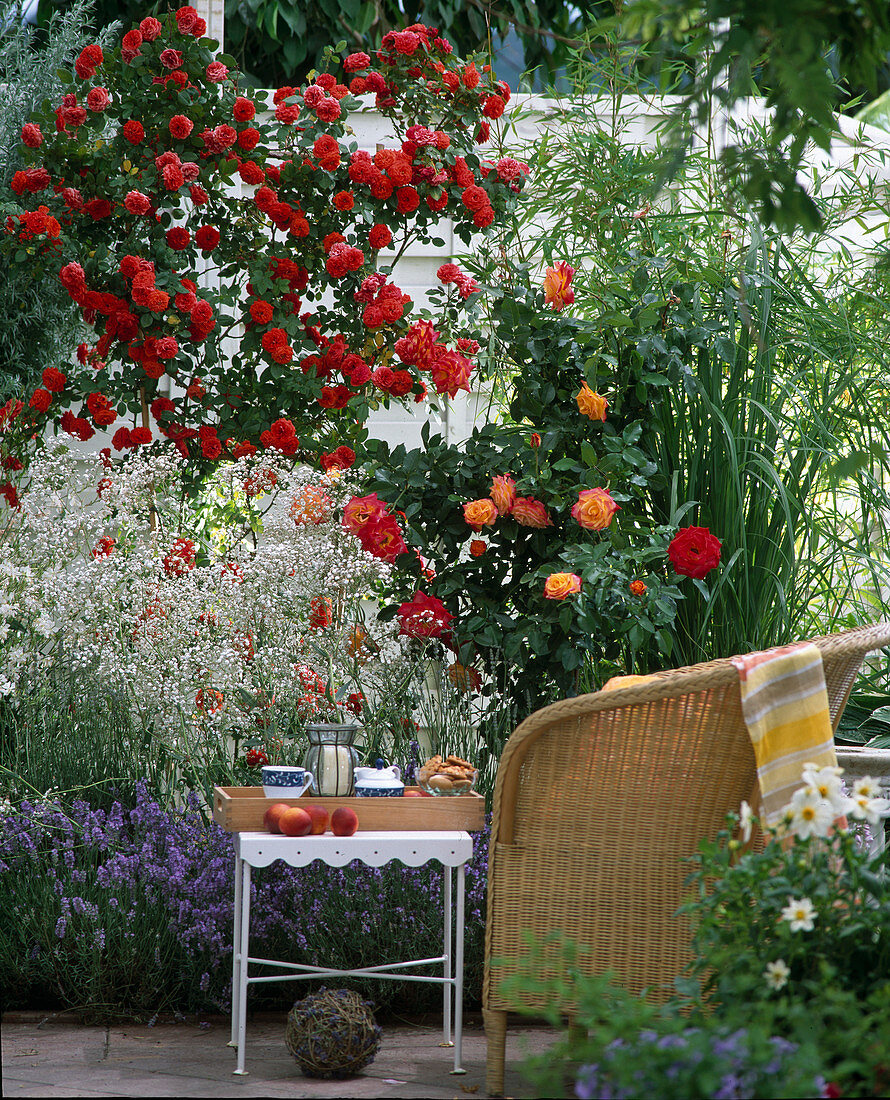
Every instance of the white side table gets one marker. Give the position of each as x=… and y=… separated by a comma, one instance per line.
x=414, y=849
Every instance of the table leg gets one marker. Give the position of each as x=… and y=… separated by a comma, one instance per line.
x=236, y=954
x=447, y=896
x=242, y=976
x=459, y=970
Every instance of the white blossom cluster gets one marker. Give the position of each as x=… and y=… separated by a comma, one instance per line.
x=251, y=627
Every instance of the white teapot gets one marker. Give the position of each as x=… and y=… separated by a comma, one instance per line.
x=379, y=781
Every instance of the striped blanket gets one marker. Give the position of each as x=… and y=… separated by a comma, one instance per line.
x=785, y=707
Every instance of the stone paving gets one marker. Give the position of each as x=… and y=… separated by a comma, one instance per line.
x=56, y=1056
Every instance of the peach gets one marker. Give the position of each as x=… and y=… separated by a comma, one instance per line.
x=295, y=822
x=272, y=816
x=320, y=818
x=344, y=821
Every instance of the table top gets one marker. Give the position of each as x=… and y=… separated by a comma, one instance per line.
x=451, y=849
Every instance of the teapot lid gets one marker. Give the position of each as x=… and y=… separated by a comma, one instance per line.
x=379, y=775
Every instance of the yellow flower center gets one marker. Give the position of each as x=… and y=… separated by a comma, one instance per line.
x=808, y=813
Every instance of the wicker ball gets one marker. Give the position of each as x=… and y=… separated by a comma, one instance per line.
x=332, y=1033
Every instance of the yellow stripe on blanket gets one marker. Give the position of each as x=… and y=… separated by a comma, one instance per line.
x=785, y=707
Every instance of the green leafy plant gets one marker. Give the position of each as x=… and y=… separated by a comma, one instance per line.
x=803, y=60
x=619, y=1045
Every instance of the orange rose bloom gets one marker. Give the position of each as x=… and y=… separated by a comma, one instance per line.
x=591, y=404
x=530, y=513
x=558, y=291
x=477, y=548
x=480, y=513
x=559, y=585
x=311, y=505
x=637, y=587
x=503, y=493
x=594, y=509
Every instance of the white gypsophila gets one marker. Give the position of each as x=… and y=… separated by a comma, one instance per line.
x=225, y=644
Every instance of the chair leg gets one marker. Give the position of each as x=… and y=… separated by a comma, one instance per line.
x=495, y=1021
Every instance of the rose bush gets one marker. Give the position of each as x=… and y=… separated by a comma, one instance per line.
x=182, y=216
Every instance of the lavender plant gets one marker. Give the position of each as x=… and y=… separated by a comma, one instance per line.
x=127, y=913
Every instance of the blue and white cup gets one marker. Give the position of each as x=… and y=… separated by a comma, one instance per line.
x=285, y=782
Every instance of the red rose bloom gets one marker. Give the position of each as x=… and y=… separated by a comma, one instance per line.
x=493, y=107
x=244, y=109
x=181, y=127
x=54, y=380
x=207, y=238
x=178, y=237
x=261, y=311
x=98, y=99
x=328, y=110
x=379, y=237
x=216, y=72
x=355, y=62
x=694, y=552
x=281, y=435
x=133, y=131
x=171, y=59
x=341, y=459
x=137, y=203
x=101, y=410
x=41, y=400
x=150, y=28
x=186, y=18
x=31, y=135
x=424, y=617
x=248, y=139
x=382, y=538
x=407, y=200
x=343, y=200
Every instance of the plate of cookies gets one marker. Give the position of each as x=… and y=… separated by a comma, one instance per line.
x=447, y=775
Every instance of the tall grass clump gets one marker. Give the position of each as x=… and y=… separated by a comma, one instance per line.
x=766, y=367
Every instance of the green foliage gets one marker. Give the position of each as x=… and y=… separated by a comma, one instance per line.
x=623, y=1046
x=753, y=364
x=803, y=57
x=37, y=320
x=737, y=913
x=504, y=614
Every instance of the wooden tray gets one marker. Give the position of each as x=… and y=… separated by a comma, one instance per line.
x=241, y=809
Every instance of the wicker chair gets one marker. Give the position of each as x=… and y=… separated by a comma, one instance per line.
x=597, y=801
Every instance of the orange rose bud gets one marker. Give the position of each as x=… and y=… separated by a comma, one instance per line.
x=480, y=513
x=594, y=509
x=637, y=587
x=477, y=548
x=534, y=440
x=559, y=585
x=530, y=513
x=591, y=404
x=463, y=678
x=503, y=493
